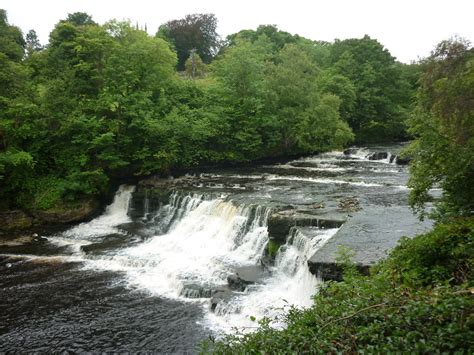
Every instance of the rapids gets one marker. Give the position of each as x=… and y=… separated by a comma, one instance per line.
x=161, y=274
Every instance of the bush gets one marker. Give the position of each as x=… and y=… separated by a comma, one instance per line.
x=444, y=255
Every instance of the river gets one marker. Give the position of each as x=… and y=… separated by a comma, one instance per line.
x=162, y=271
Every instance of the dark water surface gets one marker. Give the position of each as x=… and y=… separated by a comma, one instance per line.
x=51, y=305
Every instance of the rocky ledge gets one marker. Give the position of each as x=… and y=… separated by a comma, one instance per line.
x=280, y=223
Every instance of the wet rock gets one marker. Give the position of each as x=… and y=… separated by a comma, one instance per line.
x=136, y=229
x=219, y=299
x=236, y=283
x=16, y=240
x=111, y=241
x=15, y=220
x=350, y=151
x=349, y=204
x=328, y=271
x=244, y=276
x=280, y=223
x=378, y=156
x=402, y=160
x=82, y=212
x=196, y=290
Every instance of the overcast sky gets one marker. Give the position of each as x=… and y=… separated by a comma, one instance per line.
x=408, y=28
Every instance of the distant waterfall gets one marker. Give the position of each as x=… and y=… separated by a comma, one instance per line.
x=114, y=214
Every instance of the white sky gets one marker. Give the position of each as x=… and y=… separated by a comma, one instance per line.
x=408, y=28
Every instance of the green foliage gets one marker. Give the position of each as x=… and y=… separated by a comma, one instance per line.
x=194, y=66
x=197, y=31
x=444, y=255
x=100, y=102
x=443, y=124
x=382, y=313
x=382, y=90
x=273, y=248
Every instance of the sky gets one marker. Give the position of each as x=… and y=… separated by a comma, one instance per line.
x=409, y=29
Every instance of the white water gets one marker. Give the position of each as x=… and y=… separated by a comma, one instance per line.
x=291, y=284
x=205, y=242
x=323, y=181
x=114, y=215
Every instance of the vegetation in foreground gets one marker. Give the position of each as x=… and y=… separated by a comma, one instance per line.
x=419, y=300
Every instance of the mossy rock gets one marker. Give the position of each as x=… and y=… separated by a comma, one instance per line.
x=15, y=220
x=64, y=213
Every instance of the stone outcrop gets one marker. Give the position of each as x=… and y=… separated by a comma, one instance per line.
x=332, y=271
x=64, y=215
x=378, y=156
x=370, y=235
x=402, y=160
x=15, y=220
x=280, y=223
x=244, y=276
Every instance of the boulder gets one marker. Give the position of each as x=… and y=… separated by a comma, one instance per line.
x=280, y=223
x=244, y=276
x=332, y=271
x=378, y=156
x=15, y=220
x=402, y=160
x=69, y=214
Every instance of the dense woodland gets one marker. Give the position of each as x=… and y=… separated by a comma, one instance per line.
x=99, y=103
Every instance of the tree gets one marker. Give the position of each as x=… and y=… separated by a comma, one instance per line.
x=32, y=43
x=80, y=19
x=197, y=31
x=195, y=68
x=382, y=92
x=443, y=124
x=12, y=43
x=308, y=120
x=275, y=36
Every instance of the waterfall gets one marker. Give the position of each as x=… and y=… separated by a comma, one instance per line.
x=199, y=241
x=291, y=283
x=205, y=240
x=84, y=233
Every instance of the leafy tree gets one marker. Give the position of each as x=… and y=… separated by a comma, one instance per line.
x=241, y=74
x=382, y=93
x=308, y=120
x=12, y=44
x=443, y=124
x=197, y=31
x=195, y=68
x=80, y=19
x=277, y=38
x=32, y=43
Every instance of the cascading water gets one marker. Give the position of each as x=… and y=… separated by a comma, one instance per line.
x=291, y=283
x=85, y=233
x=116, y=213
x=203, y=240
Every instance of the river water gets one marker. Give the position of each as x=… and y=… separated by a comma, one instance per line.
x=153, y=274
